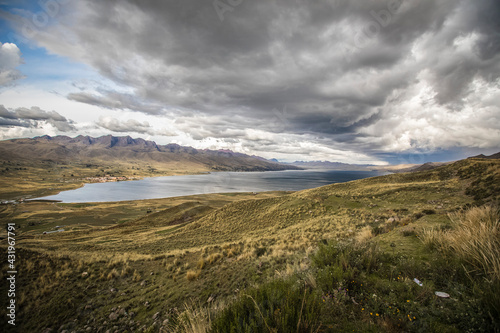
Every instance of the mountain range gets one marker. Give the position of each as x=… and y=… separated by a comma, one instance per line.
x=111, y=149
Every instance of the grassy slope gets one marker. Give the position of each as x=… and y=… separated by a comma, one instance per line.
x=198, y=250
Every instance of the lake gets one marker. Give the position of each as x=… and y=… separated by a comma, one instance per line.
x=216, y=182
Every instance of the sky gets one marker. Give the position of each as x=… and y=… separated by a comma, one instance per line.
x=353, y=81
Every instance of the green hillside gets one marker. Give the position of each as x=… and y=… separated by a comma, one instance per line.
x=336, y=258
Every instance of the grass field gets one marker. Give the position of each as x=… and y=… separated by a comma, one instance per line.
x=337, y=258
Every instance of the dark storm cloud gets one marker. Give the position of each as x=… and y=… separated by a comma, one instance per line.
x=348, y=73
x=34, y=117
x=116, y=101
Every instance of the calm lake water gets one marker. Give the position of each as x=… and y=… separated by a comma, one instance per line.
x=217, y=182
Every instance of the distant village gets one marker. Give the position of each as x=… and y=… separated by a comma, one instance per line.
x=108, y=178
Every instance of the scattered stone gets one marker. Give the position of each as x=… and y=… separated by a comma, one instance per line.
x=132, y=314
x=211, y=299
x=156, y=315
x=390, y=220
x=165, y=322
x=113, y=316
x=88, y=307
x=146, y=304
x=442, y=294
x=85, y=274
x=144, y=283
x=113, y=290
x=152, y=273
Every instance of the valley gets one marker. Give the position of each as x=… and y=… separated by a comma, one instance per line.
x=46, y=165
x=334, y=258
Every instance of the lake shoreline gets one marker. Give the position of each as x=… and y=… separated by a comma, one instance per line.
x=212, y=182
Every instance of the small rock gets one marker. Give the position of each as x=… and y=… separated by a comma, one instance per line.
x=113, y=316
x=165, y=322
x=144, y=283
x=88, y=307
x=390, y=220
x=113, y=290
x=85, y=274
x=132, y=314
x=442, y=294
x=146, y=304
x=156, y=315
x=152, y=273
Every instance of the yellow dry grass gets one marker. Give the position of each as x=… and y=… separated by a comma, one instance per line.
x=476, y=238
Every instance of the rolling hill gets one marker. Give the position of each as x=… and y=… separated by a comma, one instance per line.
x=341, y=257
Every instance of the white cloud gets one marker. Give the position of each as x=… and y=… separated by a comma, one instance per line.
x=10, y=58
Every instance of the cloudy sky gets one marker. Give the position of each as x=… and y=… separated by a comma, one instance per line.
x=377, y=81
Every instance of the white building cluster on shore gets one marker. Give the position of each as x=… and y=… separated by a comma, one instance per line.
x=106, y=179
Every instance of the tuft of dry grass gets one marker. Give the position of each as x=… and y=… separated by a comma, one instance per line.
x=364, y=234
x=475, y=238
x=213, y=257
x=192, y=275
x=431, y=238
x=136, y=277
x=113, y=274
x=196, y=319
x=201, y=263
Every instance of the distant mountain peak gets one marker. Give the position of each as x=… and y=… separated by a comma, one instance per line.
x=125, y=148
